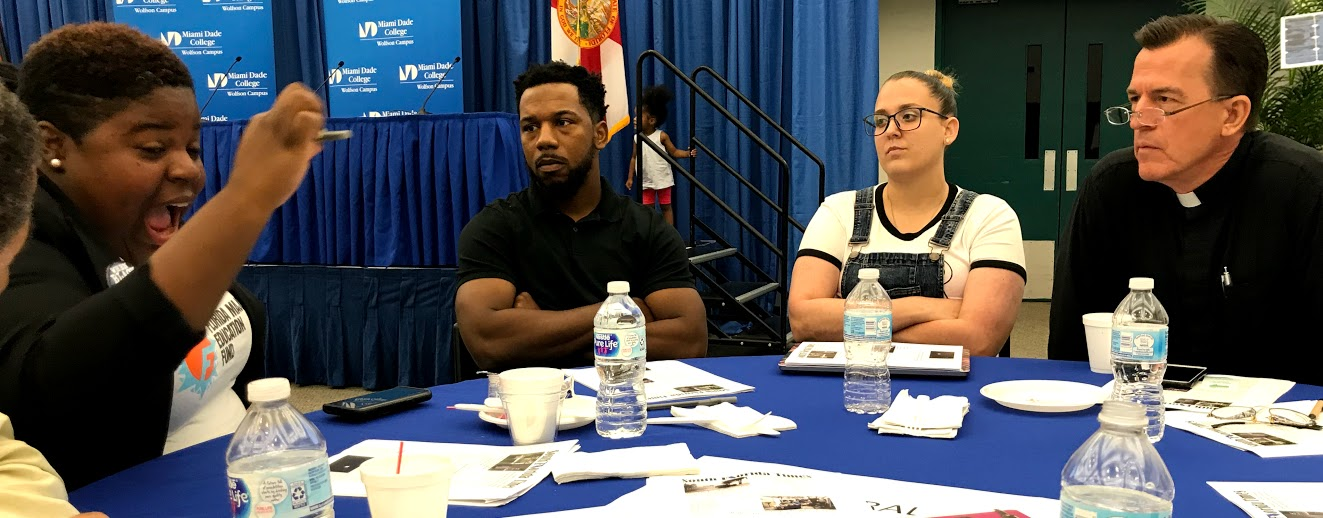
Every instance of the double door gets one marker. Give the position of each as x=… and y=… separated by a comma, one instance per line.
x=1035, y=76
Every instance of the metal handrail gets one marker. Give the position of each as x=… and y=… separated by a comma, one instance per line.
x=743, y=181
x=693, y=180
x=822, y=168
x=781, y=249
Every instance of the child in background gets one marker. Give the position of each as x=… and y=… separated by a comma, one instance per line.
x=657, y=177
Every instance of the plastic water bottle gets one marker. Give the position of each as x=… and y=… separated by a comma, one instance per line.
x=1117, y=473
x=277, y=459
x=1139, y=352
x=620, y=350
x=867, y=344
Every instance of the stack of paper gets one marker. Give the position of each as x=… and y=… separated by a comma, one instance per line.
x=1274, y=499
x=904, y=359
x=1217, y=391
x=639, y=462
x=729, y=487
x=670, y=380
x=485, y=476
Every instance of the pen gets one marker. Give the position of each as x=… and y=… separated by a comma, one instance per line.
x=692, y=402
x=329, y=135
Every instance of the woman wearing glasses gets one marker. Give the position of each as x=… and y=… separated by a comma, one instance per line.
x=951, y=259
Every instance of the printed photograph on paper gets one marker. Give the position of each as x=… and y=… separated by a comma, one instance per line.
x=1208, y=405
x=715, y=484
x=517, y=462
x=700, y=388
x=1263, y=439
x=822, y=354
x=794, y=503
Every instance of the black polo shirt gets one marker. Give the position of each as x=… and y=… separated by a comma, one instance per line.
x=566, y=264
x=1260, y=218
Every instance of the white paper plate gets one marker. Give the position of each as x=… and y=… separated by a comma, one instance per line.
x=1044, y=395
x=574, y=413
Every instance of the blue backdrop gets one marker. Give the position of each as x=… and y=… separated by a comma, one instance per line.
x=210, y=37
x=394, y=52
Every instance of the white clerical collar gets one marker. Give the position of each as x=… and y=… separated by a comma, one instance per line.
x=1189, y=200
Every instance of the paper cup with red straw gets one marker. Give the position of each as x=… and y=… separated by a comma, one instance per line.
x=421, y=489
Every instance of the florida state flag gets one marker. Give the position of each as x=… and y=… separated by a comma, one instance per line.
x=587, y=33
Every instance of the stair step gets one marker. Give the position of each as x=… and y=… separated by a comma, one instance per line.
x=743, y=291
x=708, y=251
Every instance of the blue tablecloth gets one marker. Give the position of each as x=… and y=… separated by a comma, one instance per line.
x=998, y=449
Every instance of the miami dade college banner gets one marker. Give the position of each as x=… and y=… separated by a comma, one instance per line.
x=208, y=35
x=394, y=52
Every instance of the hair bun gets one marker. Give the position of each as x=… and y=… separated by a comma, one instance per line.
x=946, y=80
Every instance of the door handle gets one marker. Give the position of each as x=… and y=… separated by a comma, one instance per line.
x=1072, y=169
x=1049, y=170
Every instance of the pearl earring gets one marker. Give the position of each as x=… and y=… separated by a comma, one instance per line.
x=56, y=163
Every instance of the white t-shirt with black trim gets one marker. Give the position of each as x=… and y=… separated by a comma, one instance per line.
x=988, y=237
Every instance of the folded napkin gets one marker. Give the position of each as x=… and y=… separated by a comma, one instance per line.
x=923, y=417
x=640, y=462
x=736, y=421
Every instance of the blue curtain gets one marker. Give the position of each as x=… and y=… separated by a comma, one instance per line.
x=397, y=194
x=370, y=327
x=26, y=20
x=300, y=43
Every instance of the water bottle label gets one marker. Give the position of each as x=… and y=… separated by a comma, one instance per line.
x=1078, y=510
x=624, y=344
x=1139, y=343
x=876, y=327
x=300, y=491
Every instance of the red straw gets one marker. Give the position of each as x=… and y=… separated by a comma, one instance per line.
x=399, y=460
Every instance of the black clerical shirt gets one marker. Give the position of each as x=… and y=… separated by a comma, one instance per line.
x=1259, y=220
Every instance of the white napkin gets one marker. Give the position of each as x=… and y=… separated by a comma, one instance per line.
x=736, y=421
x=923, y=417
x=639, y=462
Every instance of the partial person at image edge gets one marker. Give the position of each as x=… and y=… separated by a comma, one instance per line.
x=117, y=315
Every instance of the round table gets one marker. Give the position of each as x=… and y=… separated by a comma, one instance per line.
x=998, y=449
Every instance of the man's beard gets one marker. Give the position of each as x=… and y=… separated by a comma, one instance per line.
x=576, y=175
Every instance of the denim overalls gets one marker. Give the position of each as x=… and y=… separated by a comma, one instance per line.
x=903, y=274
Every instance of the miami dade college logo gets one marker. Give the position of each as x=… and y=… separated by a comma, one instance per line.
x=336, y=77
x=408, y=72
x=218, y=80
x=367, y=30
x=170, y=38
x=588, y=22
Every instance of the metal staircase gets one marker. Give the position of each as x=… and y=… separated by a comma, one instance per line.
x=746, y=305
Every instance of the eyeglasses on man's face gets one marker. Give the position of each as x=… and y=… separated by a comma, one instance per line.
x=908, y=119
x=1150, y=116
